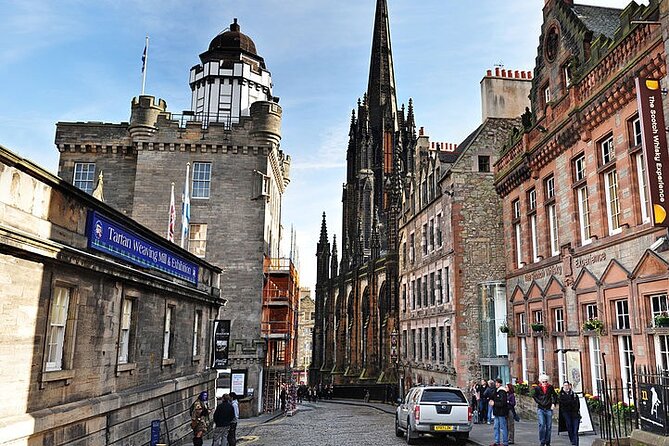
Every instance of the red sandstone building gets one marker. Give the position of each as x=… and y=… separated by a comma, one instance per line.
x=581, y=251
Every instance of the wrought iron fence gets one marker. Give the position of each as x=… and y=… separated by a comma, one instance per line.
x=653, y=399
x=639, y=403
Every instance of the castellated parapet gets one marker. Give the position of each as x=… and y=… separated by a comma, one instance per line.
x=266, y=118
x=144, y=114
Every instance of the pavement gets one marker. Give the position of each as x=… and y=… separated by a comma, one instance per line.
x=246, y=425
x=526, y=431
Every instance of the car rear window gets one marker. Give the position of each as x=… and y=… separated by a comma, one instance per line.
x=437, y=395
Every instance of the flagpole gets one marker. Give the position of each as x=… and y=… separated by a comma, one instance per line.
x=172, y=217
x=185, y=213
x=145, y=60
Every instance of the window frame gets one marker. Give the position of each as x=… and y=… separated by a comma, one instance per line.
x=168, y=334
x=611, y=194
x=201, y=180
x=484, y=163
x=81, y=181
x=197, y=246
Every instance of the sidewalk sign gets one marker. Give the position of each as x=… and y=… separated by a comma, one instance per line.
x=585, y=427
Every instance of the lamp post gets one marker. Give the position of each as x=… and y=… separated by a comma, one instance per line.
x=394, y=357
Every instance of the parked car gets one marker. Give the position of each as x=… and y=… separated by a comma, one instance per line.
x=436, y=411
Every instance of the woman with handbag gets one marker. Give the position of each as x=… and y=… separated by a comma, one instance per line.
x=512, y=417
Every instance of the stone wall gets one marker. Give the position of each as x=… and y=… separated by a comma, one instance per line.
x=92, y=398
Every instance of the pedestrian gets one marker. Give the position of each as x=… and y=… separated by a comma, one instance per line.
x=474, y=401
x=546, y=399
x=500, y=408
x=232, y=433
x=223, y=417
x=569, y=411
x=488, y=395
x=282, y=398
x=512, y=416
x=483, y=401
x=199, y=418
x=366, y=395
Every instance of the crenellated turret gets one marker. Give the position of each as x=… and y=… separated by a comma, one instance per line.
x=266, y=121
x=144, y=112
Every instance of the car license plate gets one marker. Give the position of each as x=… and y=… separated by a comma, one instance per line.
x=443, y=428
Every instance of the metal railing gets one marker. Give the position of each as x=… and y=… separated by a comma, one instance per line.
x=205, y=119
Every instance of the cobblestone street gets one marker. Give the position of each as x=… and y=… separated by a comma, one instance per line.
x=326, y=424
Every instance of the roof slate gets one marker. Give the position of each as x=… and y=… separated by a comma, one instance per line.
x=599, y=20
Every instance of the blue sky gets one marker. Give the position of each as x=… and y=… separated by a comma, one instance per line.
x=80, y=60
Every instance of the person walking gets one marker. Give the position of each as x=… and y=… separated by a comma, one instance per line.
x=546, y=399
x=511, y=417
x=199, y=418
x=483, y=401
x=500, y=408
x=488, y=395
x=223, y=417
x=232, y=432
x=282, y=398
x=570, y=411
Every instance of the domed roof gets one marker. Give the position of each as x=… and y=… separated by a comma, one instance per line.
x=233, y=40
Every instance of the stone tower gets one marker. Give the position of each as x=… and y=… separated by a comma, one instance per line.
x=238, y=174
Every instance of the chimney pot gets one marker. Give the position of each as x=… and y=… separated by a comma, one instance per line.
x=421, y=131
x=503, y=73
x=489, y=73
x=517, y=74
x=522, y=75
x=497, y=71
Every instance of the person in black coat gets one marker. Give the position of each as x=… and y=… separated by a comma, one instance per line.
x=483, y=401
x=223, y=417
x=570, y=411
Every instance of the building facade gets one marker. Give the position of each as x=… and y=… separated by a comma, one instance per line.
x=101, y=334
x=451, y=269
x=357, y=298
x=228, y=147
x=585, y=276
x=305, y=332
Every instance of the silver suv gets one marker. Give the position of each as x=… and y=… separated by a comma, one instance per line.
x=434, y=410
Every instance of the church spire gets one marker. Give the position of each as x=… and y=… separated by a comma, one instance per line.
x=381, y=98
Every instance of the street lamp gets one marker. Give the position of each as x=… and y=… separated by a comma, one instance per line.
x=394, y=356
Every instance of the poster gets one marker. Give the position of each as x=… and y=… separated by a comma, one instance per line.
x=574, y=375
x=651, y=408
x=238, y=383
x=220, y=347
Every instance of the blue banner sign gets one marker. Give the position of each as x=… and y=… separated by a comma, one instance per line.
x=111, y=238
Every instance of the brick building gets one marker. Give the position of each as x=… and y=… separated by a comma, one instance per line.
x=451, y=274
x=580, y=243
x=229, y=145
x=97, y=336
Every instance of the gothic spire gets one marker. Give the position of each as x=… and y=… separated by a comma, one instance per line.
x=324, y=232
x=381, y=98
x=334, y=261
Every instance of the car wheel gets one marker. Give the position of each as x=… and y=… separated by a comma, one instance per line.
x=409, y=436
x=398, y=430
